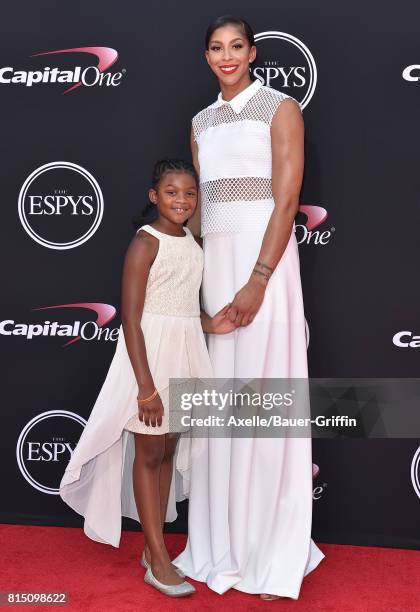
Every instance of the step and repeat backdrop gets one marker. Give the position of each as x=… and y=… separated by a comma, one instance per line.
x=91, y=95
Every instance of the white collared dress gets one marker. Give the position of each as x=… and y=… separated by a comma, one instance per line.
x=97, y=482
x=250, y=508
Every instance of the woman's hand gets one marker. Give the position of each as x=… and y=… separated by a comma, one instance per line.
x=220, y=323
x=247, y=302
x=151, y=413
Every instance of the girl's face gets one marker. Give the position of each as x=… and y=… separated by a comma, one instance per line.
x=175, y=196
x=229, y=54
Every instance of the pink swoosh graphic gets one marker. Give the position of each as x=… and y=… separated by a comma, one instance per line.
x=315, y=215
x=104, y=312
x=106, y=56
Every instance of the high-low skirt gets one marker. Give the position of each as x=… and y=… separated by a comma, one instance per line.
x=97, y=482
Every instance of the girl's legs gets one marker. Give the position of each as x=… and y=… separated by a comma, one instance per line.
x=165, y=479
x=150, y=452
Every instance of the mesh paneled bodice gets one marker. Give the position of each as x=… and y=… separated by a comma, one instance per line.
x=234, y=153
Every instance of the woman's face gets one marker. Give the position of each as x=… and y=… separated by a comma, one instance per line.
x=229, y=54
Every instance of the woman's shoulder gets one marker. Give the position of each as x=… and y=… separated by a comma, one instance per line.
x=202, y=119
x=273, y=97
x=264, y=104
x=202, y=116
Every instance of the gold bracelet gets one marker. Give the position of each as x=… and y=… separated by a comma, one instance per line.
x=148, y=399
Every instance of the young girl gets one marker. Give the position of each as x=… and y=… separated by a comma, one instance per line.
x=132, y=423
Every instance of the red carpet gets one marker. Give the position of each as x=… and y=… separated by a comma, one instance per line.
x=101, y=578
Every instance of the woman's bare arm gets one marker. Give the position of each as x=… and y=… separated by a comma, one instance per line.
x=194, y=223
x=287, y=143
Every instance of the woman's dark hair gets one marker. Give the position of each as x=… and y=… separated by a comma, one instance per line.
x=243, y=25
x=224, y=20
x=162, y=167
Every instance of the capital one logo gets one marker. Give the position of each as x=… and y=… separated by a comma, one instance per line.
x=285, y=63
x=88, y=76
x=411, y=73
x=45, y=446
x=313, y=217
x=60, y=205
x=77, y=330
x=406, y=339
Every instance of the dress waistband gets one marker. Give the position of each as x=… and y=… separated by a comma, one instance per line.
x=172, y=315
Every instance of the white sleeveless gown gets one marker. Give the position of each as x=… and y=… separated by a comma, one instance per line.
x=250, y=508
x=97, y=482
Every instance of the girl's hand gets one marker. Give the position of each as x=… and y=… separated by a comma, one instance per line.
x=247, y=302
x=151, y=413
x=220, y=323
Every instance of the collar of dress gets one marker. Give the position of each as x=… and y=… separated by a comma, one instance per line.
x=238, y=102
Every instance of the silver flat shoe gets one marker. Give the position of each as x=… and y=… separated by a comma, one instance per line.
x=173, y=590
x=146, y=565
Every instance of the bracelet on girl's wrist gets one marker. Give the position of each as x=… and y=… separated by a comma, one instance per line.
x=148, y=399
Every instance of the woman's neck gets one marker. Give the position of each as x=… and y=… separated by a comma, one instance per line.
x=230, y=91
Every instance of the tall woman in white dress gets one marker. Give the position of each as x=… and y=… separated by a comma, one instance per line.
x=250, y=509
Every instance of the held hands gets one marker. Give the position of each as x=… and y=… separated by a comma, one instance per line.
x=242, y=310
x=220, y=323
x=247, y=302
x=151, y=411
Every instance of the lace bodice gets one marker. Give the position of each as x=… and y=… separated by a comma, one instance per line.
x=175, y=276
x=234, y=154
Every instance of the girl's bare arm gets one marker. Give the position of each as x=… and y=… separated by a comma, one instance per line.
x=139, y=257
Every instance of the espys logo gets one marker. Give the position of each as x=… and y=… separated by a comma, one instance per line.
x=89, y=76
x=78, y=330
x=415, y=471
x=42, y=456
x=285, y=63
x=406, y=339
x=306, y=233
x=60, y=205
